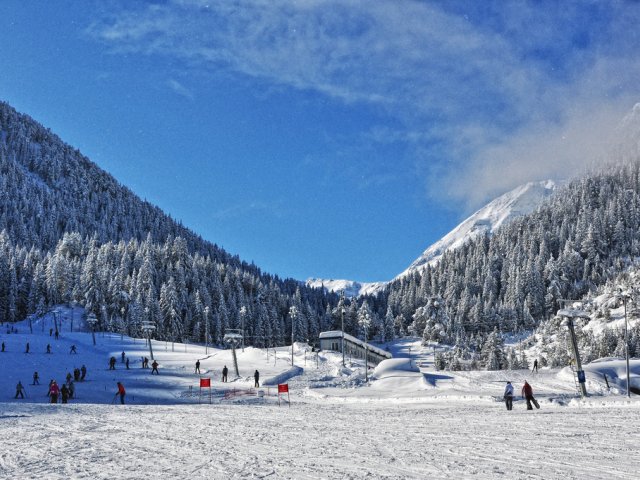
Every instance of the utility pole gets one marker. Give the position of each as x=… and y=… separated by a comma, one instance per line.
x=92, y=320
x=342, y=325
x=293, y=313
x=206, y=329
x=243, y=313
x=366, y=356
x=569, y=316
x=626, y=296
x=148, y=327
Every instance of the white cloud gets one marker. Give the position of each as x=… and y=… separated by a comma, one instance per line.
x=489, y=95
x=180, y=89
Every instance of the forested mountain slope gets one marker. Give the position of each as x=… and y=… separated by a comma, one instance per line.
x=585, y=234
x=72, y=233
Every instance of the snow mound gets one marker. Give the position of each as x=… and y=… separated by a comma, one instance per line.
x=398, y=376
x=395, y=367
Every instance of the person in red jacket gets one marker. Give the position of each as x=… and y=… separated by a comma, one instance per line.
x=54, y=391
x=121, y=392
x=527, y=393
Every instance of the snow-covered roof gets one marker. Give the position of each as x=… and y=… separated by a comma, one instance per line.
x=357, y=341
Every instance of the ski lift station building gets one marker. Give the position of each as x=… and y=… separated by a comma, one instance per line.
x=353, y=347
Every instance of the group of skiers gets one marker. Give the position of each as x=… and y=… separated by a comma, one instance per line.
x=67, y=391
x=27, y=348
x=527, y=394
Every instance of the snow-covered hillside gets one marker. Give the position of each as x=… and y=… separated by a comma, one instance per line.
x=519, y=201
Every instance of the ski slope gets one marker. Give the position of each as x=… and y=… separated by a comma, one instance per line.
x=408, y=422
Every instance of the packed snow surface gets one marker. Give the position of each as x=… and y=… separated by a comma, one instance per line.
x=408, y=422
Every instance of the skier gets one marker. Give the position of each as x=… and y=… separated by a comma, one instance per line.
x=54, y=391
x=256, y=377
x=73, y=349
x=197, y=366
x=3, y=346
x=527, y=393
x=19, y=390
x=122, y=357
x=64, y=393
x=225, y=371
x=27, y=348
x=76, y=374
x=51, y=332
x=154, y=368
x=36, y=378
x=126, y=363
x=121, y=391
x=48, y=348
x=57, y=334
x=112, y=363
x=83, y=371
x=145, y=363
x=68, y=377
x=508, y=396
x=72, y=389
x=535, y=366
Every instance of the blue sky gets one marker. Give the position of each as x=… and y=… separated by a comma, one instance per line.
x=335, y=139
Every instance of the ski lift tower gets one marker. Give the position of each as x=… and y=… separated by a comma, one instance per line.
x=233, y=338
x=92, y=320
x=147, y=328
x=569, y=315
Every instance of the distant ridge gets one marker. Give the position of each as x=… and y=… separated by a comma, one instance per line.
x=513, y=204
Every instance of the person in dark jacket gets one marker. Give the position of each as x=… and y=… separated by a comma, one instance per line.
x=27, y=348
x=36, y=378
x=527, y=393
x=64, y=393
x=19, y=390
x=121, y=391
x=256, y=377
x=112, y=363
x=225, y=371
x=154, y=368
x=197, y=366
x=83, y=373
x=508, y=396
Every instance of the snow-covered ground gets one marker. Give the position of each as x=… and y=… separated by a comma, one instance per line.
x=409, y=421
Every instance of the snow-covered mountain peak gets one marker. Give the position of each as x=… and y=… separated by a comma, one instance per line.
x=351, y=288
x=515, y=203
x=519, y=201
